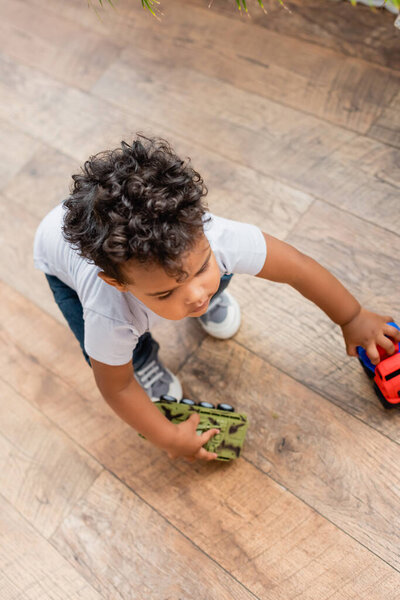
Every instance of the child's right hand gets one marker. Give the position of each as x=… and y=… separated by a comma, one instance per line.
x=188, y=444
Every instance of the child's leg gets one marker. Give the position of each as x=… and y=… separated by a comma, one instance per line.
x=144, y=348
x=71, y=307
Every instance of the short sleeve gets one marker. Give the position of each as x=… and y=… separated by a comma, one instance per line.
x=238, y=247
x=109, y=341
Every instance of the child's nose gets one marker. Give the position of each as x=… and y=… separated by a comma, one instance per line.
x=195, y=295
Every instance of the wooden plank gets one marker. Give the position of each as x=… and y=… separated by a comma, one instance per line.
x=362, y=177
x=42, y=182
x=65, y=50
x=16, y=149
x=62, y=117
x=343, y=90
x=16, y=243
x=282, y=67
x=387, y=126
x=341, y=467
x=273, y=140
x=90, y=16
x=113, y=538
x=42, y=473
x=31, y=567
x=236, y=190
x=353, y=31
x=302, y=151
x=296, y=337
x=254, y=528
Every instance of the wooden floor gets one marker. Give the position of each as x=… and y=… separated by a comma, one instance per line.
x=294, y=121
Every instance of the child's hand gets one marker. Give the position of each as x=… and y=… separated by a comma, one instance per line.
x=368, y=329
x=188, y=444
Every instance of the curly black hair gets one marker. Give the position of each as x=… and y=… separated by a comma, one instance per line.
x=139, y=201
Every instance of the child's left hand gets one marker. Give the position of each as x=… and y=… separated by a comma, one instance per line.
x=367, y=329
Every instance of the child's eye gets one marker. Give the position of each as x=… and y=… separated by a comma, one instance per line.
x=166, y=295
x=204, y=268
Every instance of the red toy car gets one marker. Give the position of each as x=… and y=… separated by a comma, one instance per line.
x=386, y=374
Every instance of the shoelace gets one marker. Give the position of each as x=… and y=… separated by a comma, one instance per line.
x=150, y=374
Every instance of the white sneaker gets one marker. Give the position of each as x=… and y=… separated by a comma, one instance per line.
x=222, y=319
x=157, y=380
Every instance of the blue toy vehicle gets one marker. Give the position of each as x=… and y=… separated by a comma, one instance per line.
x=386, y=374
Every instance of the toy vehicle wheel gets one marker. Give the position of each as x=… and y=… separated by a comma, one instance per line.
x=224, y=406
x=167, y=398
x=367, y=371
x=382, y=398
x=188, y=402
x=206, y=405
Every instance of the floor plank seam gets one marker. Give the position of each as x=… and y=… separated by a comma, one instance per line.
x=187, y=538
x=360, y=217
x=54, y=424
x=48, y=541
x=315, y=510
x=75, y=504
x=301, y=111
x=189, y=356
x=301, y=217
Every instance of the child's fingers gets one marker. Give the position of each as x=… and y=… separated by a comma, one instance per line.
x=373, y=354
x=194, y=420
x=392, y=332
x=203, y=454
x=387, y=319
x=207, y=435
x=386, y=344
x=351, y=350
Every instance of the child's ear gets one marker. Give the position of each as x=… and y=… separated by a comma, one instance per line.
x=111, y=281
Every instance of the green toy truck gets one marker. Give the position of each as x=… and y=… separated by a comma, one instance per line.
x=233, y=426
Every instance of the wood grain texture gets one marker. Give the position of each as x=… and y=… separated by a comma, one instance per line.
x=254, y=528
x=276, y=141
x=352, y=31
x=16, y=266
x=41, y=473
x=343, y=90
x=31, y=568
x=65, y=50
x=293, y=122
x=113, y=538
x=42, y=182
x=386, y=126
x=317, y=451
x=16, y=148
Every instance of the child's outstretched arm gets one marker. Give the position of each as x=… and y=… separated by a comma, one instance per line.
x=125, y=396
x=360, y=327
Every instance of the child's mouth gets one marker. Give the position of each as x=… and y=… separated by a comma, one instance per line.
x=201, y=308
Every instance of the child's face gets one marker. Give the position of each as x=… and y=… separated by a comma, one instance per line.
x=167, y=297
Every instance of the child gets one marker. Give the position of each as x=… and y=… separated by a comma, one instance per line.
x=133, y=243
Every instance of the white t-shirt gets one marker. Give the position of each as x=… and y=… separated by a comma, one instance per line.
x=115, y=320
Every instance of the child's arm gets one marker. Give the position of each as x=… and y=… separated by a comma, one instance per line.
x=125, y=396
x=360, y=327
